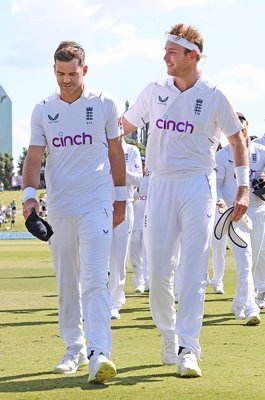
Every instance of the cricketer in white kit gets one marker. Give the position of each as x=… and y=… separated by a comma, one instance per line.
x=259, y=273
x=122, y=234
x=244, y=304
x=137, y=248
x=186, y=113
x=79, y=127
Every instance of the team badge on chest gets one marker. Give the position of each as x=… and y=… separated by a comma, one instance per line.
x=198, y=106
x=89, y=115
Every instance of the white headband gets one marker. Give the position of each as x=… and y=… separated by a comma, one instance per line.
x=184, y=43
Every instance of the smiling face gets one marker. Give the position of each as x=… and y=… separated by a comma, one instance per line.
x=178, y=59
x=69, y=76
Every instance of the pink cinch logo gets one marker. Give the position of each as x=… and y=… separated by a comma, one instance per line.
x=77, y=140
x=179, y=126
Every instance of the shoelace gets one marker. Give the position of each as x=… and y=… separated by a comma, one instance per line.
x=69, y=358
x=187, y=356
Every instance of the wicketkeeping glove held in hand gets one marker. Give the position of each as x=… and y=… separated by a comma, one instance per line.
x=233, y=229
x=38, y=227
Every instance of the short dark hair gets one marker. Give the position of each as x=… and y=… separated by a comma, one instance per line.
x=68, y=50
x=240, y=115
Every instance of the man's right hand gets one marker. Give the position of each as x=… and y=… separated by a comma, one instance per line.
x=241, y=203
x=28, y=205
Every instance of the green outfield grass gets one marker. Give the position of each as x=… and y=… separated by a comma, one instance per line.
x=233, y=360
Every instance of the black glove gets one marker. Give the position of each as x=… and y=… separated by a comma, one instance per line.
x=38, y=227
x=259, y=188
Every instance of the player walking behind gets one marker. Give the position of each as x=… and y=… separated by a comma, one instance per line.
x=244, y=305
x=186, y=114
x=79, y=127
x=121, y=238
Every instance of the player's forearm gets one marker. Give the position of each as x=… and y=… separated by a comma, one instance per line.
x=31, y=177
x=117, y=164
x=31, y=173
x=127, y=126
x=32, y=166
x=239, y=148
x=118, y=172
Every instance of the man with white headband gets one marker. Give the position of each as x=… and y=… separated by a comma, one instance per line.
x=181, y=41
x=186, y=114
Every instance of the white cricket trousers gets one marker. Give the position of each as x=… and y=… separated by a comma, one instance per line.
x=118, y=260
x=80, y=249
x=179, y=211
x=258, y=249
x=138, y=259
x=244, y=297
x=219, y=256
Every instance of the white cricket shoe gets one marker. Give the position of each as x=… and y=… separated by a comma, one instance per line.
x=219, y=289
x=100, y=369
x=139, y=289
x=239, y=313
x=253, y=319
x=115, y=314
x=72, y=361
x=260, y=299
x=169, y=351
x=187, y=364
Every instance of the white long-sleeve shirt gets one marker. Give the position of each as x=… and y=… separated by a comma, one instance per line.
x=134, y=171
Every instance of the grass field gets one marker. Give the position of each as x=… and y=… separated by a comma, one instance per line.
x=233, y=360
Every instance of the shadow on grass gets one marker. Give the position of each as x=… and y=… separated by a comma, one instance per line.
x=143, y=326
x=20, y=383
x=219, y=319
x=28, y=277
x=133, y=310
x=207, y=300
x=20, y=324
x=27, y=311
x=46, y=384
x=137, y=295
x=134, y=380
x=143, y=319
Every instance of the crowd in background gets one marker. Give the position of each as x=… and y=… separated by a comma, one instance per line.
x=8, y=214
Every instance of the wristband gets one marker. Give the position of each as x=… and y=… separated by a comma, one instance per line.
x=28, y=193
x=120, y=193
x=242, y=175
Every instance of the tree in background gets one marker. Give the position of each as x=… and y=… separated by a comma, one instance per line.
x=20, y=161
x=6, y=170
